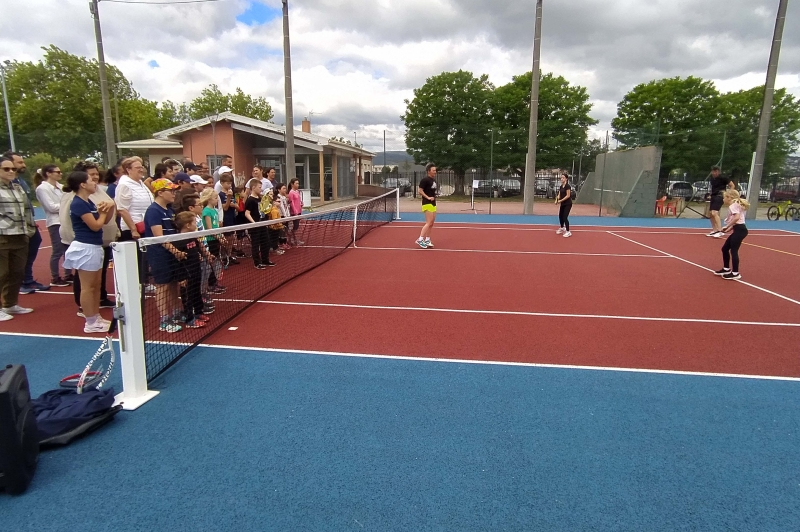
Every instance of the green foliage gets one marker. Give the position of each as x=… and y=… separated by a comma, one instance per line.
x=449, y=121
x=563, y=121
x=680, y=114
x=692, y=121
x=56, y=105
x=740, y=113
x=212, y=101
x=38, y=160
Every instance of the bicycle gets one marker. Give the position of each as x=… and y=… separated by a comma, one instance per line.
x=785, y=210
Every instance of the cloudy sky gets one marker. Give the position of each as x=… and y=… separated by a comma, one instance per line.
x=355, y=61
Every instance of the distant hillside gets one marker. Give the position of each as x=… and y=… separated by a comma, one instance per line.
x=393, y=158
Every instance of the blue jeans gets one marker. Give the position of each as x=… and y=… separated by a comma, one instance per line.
x=33, y=250
x=58, y=251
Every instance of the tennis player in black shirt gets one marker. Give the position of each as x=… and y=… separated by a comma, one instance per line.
x=564, y=200
x=428, y=189
x=718, y=186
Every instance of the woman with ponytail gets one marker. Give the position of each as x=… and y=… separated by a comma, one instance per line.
x=48, y=192
x=735, y=222
x=85, y=253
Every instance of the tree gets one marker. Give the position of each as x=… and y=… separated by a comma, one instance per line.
x=212, y=101
x=740, y=113
x=680, y=114
x=56, y=105
x=563, y=122
x=448, y=122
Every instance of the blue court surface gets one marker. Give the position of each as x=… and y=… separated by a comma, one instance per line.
x=258, y=440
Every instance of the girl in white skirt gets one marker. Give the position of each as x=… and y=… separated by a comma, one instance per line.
x=85, y=253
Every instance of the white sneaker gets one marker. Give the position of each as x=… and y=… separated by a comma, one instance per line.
x=99, y=326
x=5, y=317
x=719, y=234
x=560, y=231
x=567, y=234
x=712, y=233
x=16, y=309
x=428, y=243
x=421, y=243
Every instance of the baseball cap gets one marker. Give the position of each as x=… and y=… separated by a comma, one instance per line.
x=181, y=177
x=224, y=169
x=163, y=184
x=197, y=180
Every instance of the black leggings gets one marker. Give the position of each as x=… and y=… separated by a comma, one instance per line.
x=731, y=248
x=563, y=214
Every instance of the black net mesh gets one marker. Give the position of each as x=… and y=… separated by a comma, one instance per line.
x=189, y=295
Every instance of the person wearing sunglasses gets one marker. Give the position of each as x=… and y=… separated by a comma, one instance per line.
x=49, y=193
x=16, y=229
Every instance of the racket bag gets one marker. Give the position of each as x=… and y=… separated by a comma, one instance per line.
x=63, y=415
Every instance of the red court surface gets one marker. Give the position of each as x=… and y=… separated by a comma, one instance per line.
x=639, y=298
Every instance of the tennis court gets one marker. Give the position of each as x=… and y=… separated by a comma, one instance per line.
x=507, y=379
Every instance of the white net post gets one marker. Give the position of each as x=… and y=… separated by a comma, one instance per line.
x=355, y=225
x=397, y=205
x=131, y=331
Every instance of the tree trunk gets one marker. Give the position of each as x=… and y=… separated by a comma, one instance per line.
x=459, y=183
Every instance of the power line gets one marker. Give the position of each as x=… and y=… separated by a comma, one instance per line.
x=161, y=3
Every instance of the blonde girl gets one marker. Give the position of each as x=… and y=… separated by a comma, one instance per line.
x=737, y=206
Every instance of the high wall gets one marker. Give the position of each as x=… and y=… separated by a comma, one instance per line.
x=624, y=182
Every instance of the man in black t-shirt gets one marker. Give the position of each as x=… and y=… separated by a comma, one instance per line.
x=718, y=185
x=428, y=189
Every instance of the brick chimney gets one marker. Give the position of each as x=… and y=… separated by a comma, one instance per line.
x=306, y=126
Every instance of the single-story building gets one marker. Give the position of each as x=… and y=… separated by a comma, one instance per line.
x=250, y=142
x=156, y=149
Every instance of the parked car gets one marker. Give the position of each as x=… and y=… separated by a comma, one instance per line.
x=680, y=189
x=763, y=195
x=398, y=182
x=498, y=188
x=785, y=193
x=702, y=190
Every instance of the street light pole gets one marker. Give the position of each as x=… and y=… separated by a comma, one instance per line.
x=8, y=110
x=754, y=187
x=108, y=125
x=530, y=162
x=287, y=72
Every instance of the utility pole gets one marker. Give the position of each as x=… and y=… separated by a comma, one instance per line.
x=754, y=187
x=8, y=110
x=287, y=72
x=108, y=126
x=530, y=162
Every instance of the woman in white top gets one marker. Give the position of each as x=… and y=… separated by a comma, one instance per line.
x=132, y=198
x=49, y=195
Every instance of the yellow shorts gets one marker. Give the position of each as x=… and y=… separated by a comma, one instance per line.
x=428, y=208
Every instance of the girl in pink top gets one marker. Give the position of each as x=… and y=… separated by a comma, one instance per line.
x=296, y=209
x=735, y=221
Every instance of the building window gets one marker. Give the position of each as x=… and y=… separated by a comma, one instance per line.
x=214, y=162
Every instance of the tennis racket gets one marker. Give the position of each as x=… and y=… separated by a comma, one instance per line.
x=98, y=370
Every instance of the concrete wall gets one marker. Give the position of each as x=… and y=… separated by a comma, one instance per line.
x=625, y=182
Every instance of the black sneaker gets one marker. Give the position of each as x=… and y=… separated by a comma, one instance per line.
x=723, y=271
x=270, y=263
x=107, y=303
x=730, y=276
x=261, y=267
x=232, y=260
x=58, y=281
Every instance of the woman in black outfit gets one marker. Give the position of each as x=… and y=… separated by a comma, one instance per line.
x=564, y=199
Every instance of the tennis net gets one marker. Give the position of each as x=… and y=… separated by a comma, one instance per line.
x=198, y=281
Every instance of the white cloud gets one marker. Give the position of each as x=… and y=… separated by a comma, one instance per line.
x=355, y=62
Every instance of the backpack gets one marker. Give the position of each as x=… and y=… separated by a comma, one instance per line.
x=572, y=194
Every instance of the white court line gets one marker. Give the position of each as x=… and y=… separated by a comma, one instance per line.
x=453, y=360
x=699, y=232
x=512, y=252
x=516, y=313
x=707, y=269
x=499, y=363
